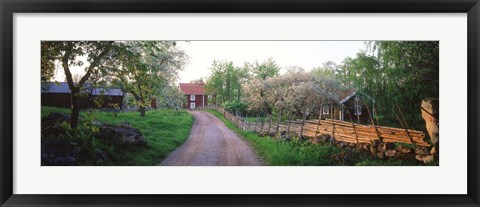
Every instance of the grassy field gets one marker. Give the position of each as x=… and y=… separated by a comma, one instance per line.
x=298, y=153
x=163, y=130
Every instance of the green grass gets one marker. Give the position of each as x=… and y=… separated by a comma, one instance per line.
x=163, y=131
x=254, y=119
x=46, y=110
x=303, y=153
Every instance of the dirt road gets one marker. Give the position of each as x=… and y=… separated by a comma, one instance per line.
x=212, y=143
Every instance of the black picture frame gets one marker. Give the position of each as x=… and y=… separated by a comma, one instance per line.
x=9, y=7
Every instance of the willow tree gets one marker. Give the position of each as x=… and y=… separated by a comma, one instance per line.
x=395, y=73
x=91, y=55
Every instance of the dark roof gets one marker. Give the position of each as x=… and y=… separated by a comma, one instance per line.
x=192, y=88
x=62, y=87
x=52, y=87
x=107, y=92
x=345, y=95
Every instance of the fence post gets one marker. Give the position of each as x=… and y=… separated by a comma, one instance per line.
x=256, y=122
x=376, y=130
x=353, y=124
x=333, y=131
x=261, y=126
x=303, y=123
x=319, y=118
x=289, y=122
x=279, y=116
x=269, y=122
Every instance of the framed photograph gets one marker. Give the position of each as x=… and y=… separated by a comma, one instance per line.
x=199, y=103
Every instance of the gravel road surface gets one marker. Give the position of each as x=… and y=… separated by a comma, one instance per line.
x=211, y=143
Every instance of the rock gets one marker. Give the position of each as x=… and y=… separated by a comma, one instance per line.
x=428, y=158
x=380, y=155
x=59, y=153
x=121, y=134
x=315, y=140
x=406, y=157
x=126, y=124
x=375, y=143
x=390, y=152
x=101, y=155
x=384, y=146
x=342, y=144
x=345, y=157
x=403, y=150
x=373, y=149
x=292, y=135
x=97, y=123
x=51, y=123
x=425, y=158
x=420, y=150
x=333, y=141
x=264, y=134
x=364, y=146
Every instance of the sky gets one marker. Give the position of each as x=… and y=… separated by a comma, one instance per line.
x=306, y=54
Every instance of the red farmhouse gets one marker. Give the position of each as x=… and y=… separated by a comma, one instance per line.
x=196, y=95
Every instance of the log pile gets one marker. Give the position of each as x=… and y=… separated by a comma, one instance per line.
x=354, y=133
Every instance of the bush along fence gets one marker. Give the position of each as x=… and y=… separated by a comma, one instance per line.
x=379, y=140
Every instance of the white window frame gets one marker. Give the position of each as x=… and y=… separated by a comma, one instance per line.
x=358, y=110
x=326, y=110
x=192, y=105
x=192, y=97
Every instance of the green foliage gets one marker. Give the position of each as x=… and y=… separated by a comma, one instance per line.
x=170, y=97
x=163, y=130
x=235, y=107
x=226, y=81
x=145, y=69
x=398, y=73
x=328, y=70
x=267, y=68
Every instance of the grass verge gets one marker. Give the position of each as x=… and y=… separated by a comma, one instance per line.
x=163, y=130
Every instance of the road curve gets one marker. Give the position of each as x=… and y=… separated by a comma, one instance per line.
x=211, y=143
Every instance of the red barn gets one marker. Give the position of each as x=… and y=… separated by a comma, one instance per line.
x=196, y=96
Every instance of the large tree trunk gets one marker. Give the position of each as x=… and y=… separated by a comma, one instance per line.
x=430, y=113
x=142, y=110
x=75, y=109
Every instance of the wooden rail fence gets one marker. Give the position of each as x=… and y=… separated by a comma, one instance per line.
x=340, y=130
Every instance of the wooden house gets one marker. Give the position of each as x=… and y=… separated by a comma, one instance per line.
x=58, y=95
x=351, y=106
x=195, y=95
